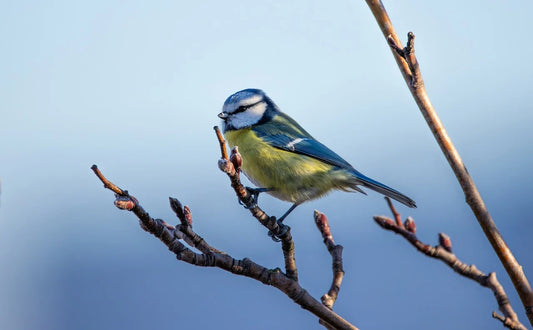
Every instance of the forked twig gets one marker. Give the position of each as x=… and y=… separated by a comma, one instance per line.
x=335, y=250
x=408, y=64
x=443, y=252
x=329, y=298
x=232, y=167
x=171, y=236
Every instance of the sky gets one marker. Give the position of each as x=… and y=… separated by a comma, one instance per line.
x=135, y=88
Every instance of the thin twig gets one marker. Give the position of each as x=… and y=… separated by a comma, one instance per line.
x=107, y=184
x=397, y=215
x=329, y=298
x=443, y=252
x=508, y=322
x=335, y=250
x=212, y=257
x=185, y=228
x=222, y=143
x=410, y=70
x=231, y=167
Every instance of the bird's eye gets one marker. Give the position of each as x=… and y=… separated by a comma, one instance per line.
x=242, y=108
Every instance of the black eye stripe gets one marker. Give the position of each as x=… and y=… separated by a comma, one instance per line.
x=243, y=108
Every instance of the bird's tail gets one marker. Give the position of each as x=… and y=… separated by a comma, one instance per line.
x=365, y=181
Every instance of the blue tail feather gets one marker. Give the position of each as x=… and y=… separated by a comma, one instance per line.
x=361, y=179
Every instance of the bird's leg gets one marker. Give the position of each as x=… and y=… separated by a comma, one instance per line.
x=283, y=228
x=254, y=192
x=280, y=220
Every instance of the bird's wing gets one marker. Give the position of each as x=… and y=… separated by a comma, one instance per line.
x=284, y=133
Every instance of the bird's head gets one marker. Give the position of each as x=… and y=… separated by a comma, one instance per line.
x=246, y=108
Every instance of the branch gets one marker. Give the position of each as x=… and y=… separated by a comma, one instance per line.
x=443, y=252
x=232, y=167
x=212, y=257
x=184, y=214
x=335, y=250
x=406, y=60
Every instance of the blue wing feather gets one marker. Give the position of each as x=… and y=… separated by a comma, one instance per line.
x=284, y=133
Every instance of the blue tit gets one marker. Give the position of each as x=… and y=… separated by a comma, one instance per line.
x=281, y=158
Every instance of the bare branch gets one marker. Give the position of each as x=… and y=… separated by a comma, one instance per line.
x=222, y=143
x=397, y=215
x=335, y=250
x=176, y=206
x=211, y=257
x=408, y=64
x=443, y=252
x=508, y=322
x=108, y=184
x=185, y=228
x=232, y=169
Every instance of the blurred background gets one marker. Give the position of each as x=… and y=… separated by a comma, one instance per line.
x=135, y=88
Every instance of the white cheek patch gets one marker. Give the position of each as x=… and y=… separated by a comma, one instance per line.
x=251, y=100
x=249, y=117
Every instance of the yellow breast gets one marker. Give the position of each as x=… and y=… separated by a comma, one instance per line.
x=292, y=177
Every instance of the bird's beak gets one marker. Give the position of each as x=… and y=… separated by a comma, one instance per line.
x=223, y=115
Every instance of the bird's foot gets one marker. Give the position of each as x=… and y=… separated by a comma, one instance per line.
x=254, y=193
x=283, y=230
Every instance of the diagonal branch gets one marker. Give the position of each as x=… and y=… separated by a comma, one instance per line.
x=335, y=250
x=232, y=167
x=406, y=60
x=443, y=252
x=211, y=257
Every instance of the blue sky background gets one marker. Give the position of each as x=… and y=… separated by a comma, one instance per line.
x=135, y=88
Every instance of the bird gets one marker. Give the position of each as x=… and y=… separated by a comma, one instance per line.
x=282, y=159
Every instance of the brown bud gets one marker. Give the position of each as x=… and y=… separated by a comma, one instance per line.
x=225, y=166
x=125, y=202
x=188, y=215
x=176, y=206
x=322, y=224
x=236, y=158
x=385, y=222
x=445, y=242
x=410, y=225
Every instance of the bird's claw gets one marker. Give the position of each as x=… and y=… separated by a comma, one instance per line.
x=283, y=230
x=248, y=207
x=254, y=195
x=253, y=204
